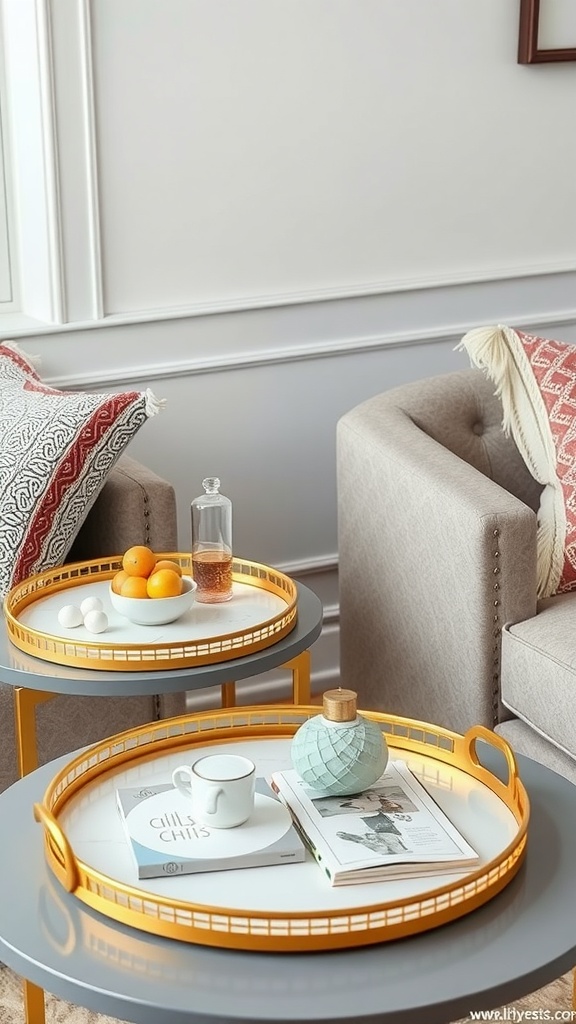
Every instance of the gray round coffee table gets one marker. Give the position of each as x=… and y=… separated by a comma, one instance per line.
x=519, y=941
x=34, y=679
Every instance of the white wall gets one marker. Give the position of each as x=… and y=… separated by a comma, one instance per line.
x=268, y=212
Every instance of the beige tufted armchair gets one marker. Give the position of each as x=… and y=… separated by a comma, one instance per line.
x=135, y=507
x=439, y=617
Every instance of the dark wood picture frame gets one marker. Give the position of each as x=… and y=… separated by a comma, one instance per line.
x=528, y=52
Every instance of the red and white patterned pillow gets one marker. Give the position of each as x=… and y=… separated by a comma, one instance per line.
x=56, y=450
x=536, y=380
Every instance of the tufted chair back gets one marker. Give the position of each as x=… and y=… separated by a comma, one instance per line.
x=461, y=412
x=437, y=549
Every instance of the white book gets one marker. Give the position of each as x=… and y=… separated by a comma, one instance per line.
x=393, y=829
x=165, y=839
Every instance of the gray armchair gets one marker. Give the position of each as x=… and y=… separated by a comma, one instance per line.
x=135, y=507
x=439, y=617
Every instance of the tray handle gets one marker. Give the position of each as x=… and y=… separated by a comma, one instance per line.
x=61, y=848
x=480, y=732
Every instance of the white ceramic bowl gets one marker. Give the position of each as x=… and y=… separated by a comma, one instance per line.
x=155, y=611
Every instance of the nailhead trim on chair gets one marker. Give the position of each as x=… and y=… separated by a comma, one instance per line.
x=146, y=520
x=496, y=632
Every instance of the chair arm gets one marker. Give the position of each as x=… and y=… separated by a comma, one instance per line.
x=435, y=558
x=135, y=506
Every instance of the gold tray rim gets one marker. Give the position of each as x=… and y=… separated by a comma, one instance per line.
x=99, y=655
x=286, y=932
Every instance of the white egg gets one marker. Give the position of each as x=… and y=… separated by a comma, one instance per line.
x=91, y=604
x=70, y=616
x=96, y=621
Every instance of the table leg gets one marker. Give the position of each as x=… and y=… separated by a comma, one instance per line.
x=34, y=1011
x=228, y=695
x=25, y=703
x=300, y=667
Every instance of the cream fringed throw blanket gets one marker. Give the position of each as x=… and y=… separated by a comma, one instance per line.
x=536, y=380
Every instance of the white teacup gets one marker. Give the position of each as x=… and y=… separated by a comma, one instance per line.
x=221, y=788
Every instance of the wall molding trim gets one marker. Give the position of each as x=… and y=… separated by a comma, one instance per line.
x=31, y=111
x=310, y=566
x=51, y=182
x=561, y=274
x=247, y=360
x=94, y=242
x=421, y=282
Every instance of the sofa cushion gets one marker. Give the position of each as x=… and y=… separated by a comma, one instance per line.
x=536, y=380
x=539, y=671
x=525, y=740
x=56, y=450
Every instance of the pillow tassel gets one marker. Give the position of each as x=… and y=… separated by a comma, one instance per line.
x=153, y=405
x=550, y=538
x=490, y=349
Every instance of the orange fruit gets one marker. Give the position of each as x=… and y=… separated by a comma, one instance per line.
x=118, y=580
x=166, y=563
x=139, y=560
x=164, y=583
x=134, y=586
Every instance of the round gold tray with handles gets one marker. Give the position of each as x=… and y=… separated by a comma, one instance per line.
x=357, y=917
x=262, y=611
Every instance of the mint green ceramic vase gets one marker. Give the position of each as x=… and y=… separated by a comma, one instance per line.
x=339, y=752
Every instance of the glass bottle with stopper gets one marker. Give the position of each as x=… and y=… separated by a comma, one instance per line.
x=212, y=544
x=339, y=752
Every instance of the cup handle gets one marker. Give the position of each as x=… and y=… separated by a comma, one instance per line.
x=212, y=797
x=183, y=785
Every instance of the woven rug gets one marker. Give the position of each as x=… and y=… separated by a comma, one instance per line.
x=555, y=997
x=57, y=1011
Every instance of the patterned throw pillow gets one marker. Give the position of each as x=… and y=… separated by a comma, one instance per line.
x=536, y=380
x=56, y=450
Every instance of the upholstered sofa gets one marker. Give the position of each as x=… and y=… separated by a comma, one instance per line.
x=135, y=506
x=439, y=615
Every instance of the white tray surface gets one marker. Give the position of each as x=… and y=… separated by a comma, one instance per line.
x=91, y=823
x=249, y=606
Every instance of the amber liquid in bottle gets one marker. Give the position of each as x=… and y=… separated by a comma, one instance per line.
x=213, y=575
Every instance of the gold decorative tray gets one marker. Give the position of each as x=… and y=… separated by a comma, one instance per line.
x=292, y=906
x=263, y=609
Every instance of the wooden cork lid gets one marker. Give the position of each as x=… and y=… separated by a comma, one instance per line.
x=339, y=705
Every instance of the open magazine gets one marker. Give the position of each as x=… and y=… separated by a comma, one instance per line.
x=394, y=829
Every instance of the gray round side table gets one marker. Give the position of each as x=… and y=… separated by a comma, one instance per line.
x=519, y=941
x=35, y=680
